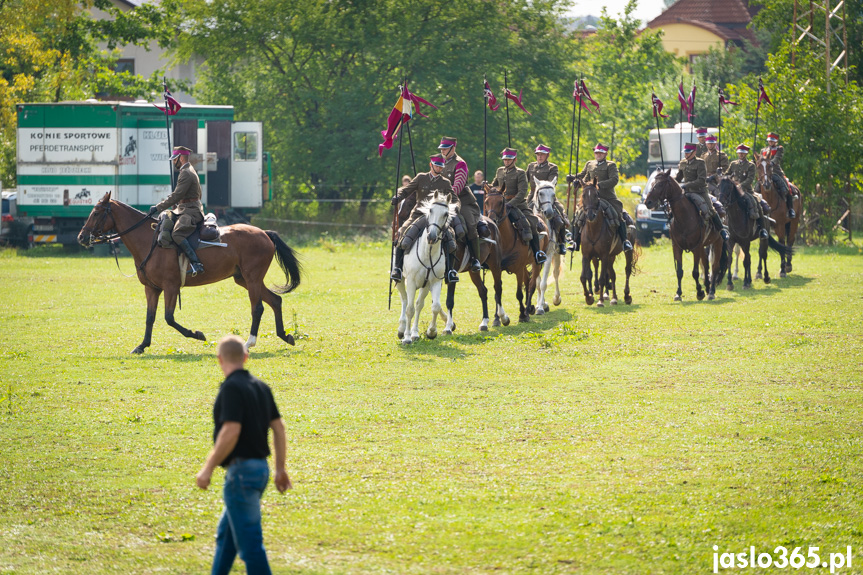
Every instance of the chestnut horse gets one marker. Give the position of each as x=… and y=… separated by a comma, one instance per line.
x=742, y=230
x=688, y=232
x=786, y=228
x=516, y=255
x=490, y=258
x=246, y=259
x=601, y=243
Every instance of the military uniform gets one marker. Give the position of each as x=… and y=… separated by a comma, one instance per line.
x=420, y=189
x=512, y=182
x=606, y=176
x=743, y=173
x=775, y=154
x=693, y=174
x=546, y=172
x=715, y=160
x=189, y=211
x=455, y=170
x=700, y=149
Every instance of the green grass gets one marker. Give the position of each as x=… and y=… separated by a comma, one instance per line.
x=629, y=439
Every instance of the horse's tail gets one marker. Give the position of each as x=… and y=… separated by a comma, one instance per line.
x=786, y=251
x=288, y=261
x=636, y=255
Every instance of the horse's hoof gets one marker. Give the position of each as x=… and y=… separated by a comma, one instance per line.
x=483, y=328
x=783, y=274
x=415, y=338
x=767, y=279
x=711, y=297
x=588, y=299
x=531, y=310
x=401, y=335
x=433, y=334
x=730, y=287
x=523, y=318
x=700, y=295
x=138, y=350
x=788, y=267
x=747, y=286
x=556, y=300
x=545, y=307
x=757, y=276
x=505, y=320
x=600, y=303
x=736, y=277
x=676, y=297
x=407, y=341
x=540, y=311
x=199, y=336
x=289, y=339
x=613, y=302
x=495, y=323
x=627, y=299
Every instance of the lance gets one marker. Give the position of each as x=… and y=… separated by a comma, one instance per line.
x=681, y=117
x=395, y=213
x=719, y=110
x=577, y=163
x=505, y=91
x=168, y=132
x=411, y=146
x=659, y=135
x=755, y=136
x=484, y=130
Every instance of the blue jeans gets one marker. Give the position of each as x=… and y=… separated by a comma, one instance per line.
x=240, y=525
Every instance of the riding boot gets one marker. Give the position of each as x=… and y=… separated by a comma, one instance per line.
x=627, y=245
x=789, y=201
x=451, y=272
x=576, y=236
x=197, y=266
x=717, y=222
x=762, y=231
x=473, y=248
x=562, y=238
x=396, y=276
x=538, y=254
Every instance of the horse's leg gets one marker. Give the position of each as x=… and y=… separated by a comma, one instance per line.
x=541, y=306
x=170, y=303
x=612, y=277
x=255, y=290
x=409, y=312
x=763, y=250
x=699, y=260
x=790, y=235
x=275, y=302
x=678, y=268
x=747, y=266
x=781, y=235
x=587, y=280
x=532, y=282
x=152, y=305
x=476, y=278
x=603, y=282
x=431, y=332
x=627, y=298
x=403, y=318
x=735, y=249
x=450, y=304
x=736, y=262
x=521, y=278
x=556, y=264
x=500, y=317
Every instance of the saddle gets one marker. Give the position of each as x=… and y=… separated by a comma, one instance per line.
x=207, y=231
x=701, y=207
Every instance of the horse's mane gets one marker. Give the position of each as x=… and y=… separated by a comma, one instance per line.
x=426, y=205
x=728, y=181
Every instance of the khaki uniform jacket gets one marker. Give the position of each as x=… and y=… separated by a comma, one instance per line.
x=743, y=172
x=607, y=177
x=543, y=172
x=715, y=161
x=188, y=191
x=700, y=149
x=775, y=156
x=468, y=206
x=514, y=181
x=693, y=173
x=423, y=187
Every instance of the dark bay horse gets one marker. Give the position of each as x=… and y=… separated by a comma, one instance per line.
x=515, y=254
x=246, y=259
x=601, y=242
x=688, y=232
x=786, y=228
x=490, y=257
x=743, y=230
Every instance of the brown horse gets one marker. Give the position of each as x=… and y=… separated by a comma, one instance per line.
x=689, y=232
x=786, y=228
x=515, y=254
x=601, y=242
x=743, y=230
x=490, y=258
x=246, y=258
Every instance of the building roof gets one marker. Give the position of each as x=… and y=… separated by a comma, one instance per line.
x=728, y=19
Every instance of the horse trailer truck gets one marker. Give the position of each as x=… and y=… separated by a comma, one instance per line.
x=71, y=153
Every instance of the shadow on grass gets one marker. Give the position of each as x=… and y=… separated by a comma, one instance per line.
x=194, y=357
x=776, y=285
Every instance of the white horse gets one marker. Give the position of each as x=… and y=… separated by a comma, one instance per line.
x=544, y=209
x=424, y=268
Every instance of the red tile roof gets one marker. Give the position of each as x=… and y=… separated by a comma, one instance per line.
x=728, y=19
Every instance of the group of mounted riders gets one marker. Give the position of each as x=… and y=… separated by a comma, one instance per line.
x=704, y=163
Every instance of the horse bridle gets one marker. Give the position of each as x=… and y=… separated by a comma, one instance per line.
x=492, y=215
x=541, y=203
x=98, y=235
x=435, y=225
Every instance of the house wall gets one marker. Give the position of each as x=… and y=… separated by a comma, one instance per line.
x=686, y=40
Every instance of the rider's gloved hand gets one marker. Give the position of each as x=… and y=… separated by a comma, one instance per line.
x=394, y=200
x=153, y=211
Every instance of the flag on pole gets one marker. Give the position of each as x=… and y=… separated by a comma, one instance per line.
x=681, y=97
x=401, y=114
x=517, y=99
x=690, y=104
x=172, y=106
x=723, y=100
x=762, y=95
x=489, y=96
x=657, y=106
x=581, y=93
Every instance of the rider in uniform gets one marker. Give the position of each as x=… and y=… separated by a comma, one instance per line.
x=606, y=176
x=544, y=170
x=742, y=171
x=774, y=152
x=701, y=146
x=714, y=159
x=693, y=173
x=455, y=170
x=512, y=181
x=189, y=211
x=422, y=187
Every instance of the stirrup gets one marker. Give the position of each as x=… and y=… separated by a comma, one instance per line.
x=475, y=265
x=791, y=213
x=452, y=277
x=627, y=246
x=196, y=268
x=561, y=248
x=763, y=234
x=396, y=276
x=540, y=257
x=724, y=233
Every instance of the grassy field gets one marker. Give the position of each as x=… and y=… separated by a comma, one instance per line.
x=630, y=439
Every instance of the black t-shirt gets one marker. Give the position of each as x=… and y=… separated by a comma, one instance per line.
x=247, y=400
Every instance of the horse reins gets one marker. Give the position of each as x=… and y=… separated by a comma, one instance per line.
x=101, y=237
x=430, y=268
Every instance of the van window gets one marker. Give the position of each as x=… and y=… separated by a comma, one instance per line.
x=5, y=206
x=653, y=150
x=245, y=147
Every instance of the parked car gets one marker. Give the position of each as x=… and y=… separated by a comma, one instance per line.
x=650, y=224
x=13, y=230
